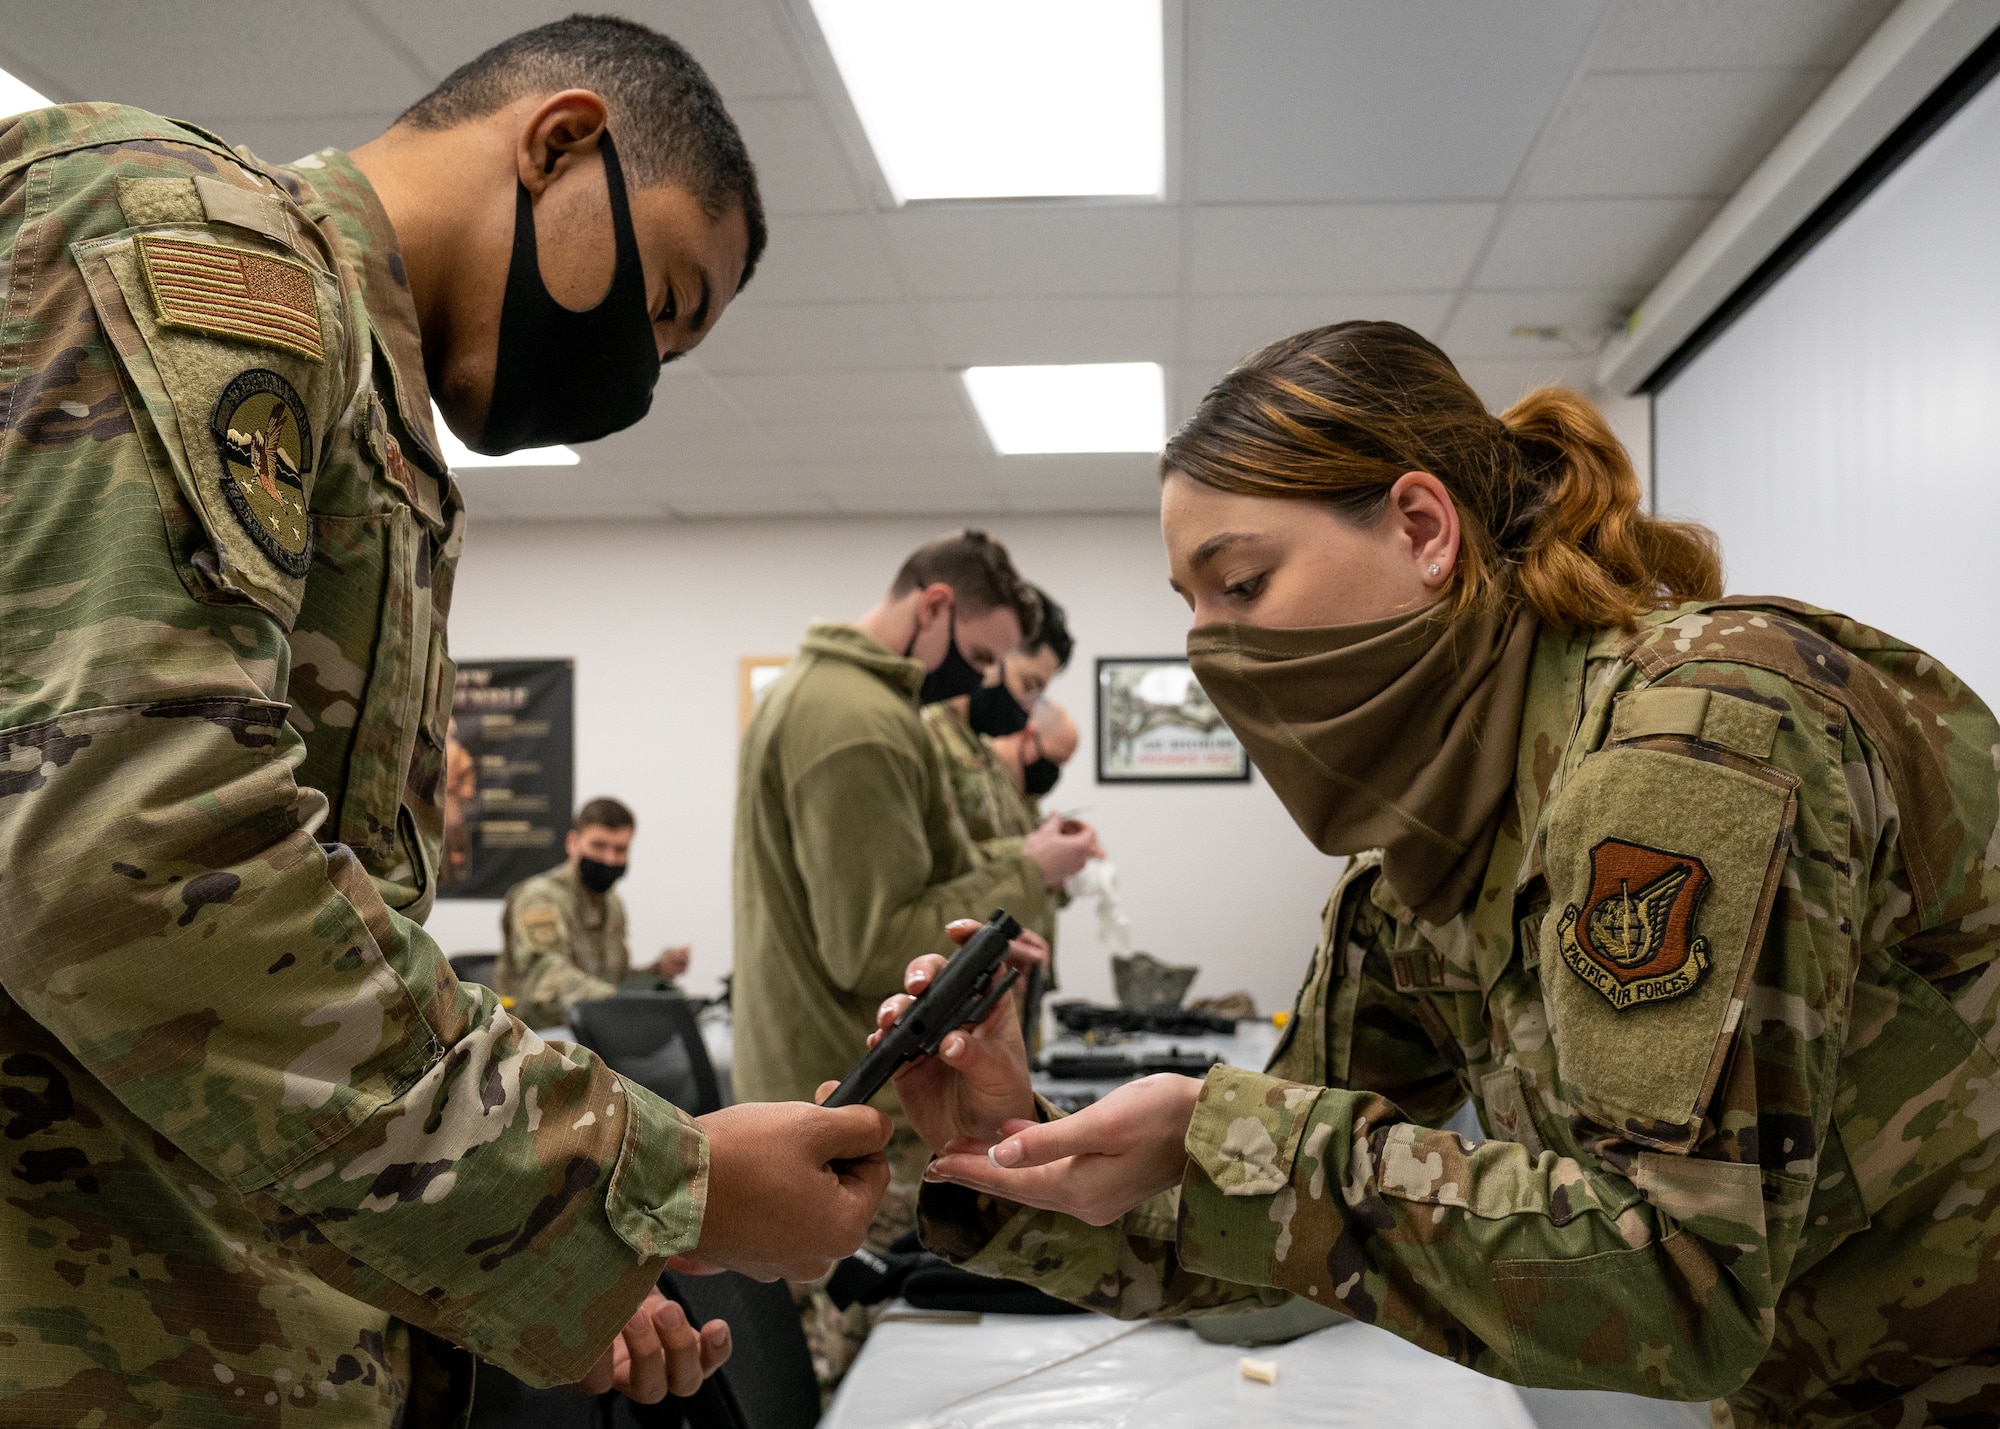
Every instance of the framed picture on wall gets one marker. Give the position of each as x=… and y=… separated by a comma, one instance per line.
x=1155, y=726
x=509, y=758
x=754, y=675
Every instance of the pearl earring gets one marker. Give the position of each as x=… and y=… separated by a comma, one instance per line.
x=1434, y=569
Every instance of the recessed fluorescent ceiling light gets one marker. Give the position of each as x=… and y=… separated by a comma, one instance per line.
x=1085, y=407
x=458, y=454
x=1005, y=98
x=18, y=98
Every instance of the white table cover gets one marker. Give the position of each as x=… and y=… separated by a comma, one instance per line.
x=1088, y=1372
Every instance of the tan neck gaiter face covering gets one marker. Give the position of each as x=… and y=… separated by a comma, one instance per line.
x=1399, y=734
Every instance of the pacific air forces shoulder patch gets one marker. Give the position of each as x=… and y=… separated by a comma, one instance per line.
x=1633, y=938
x=265, y=440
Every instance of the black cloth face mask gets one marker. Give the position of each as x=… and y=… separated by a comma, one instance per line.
x=561, y=375
x=598, y=877
x=995, y=712
x=1040, y=777
x=956, y=676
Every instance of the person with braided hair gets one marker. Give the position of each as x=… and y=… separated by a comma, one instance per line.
x=1695, y=899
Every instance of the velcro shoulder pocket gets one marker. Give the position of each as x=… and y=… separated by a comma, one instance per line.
x=1696, y=712
x=1662, y=868
x=232, y=342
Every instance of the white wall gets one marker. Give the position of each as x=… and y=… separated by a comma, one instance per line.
x=1843, y=435
x=657, y=616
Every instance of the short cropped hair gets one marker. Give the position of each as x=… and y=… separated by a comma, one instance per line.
x=669, y=120
x=1053, y=633
x=603, y=814
x=979, y=572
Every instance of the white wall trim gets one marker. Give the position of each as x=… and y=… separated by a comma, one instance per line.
x=1913, y=51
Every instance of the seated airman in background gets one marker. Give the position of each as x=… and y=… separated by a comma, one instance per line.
x=565, y=929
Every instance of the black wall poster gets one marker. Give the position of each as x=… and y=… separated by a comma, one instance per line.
x=509, y=771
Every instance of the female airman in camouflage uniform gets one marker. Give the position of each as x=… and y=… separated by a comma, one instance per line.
x=1694, y=899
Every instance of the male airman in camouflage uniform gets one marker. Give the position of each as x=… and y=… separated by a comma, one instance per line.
x=1726, y=1003
x=255, y=1132
x=996, y=814
x=564, y=929
x=565, y=944
x=987, y=794
x=997, y=810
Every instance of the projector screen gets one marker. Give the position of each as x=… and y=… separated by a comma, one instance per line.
x=1842, y=436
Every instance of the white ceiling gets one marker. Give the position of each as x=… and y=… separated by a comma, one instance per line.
x=1468, y=167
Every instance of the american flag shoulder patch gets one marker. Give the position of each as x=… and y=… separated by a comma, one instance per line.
x=233, y=292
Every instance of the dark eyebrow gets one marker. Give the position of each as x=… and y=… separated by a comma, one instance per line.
x=1214, y=546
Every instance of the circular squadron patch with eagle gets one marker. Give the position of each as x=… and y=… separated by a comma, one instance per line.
x=265, y=440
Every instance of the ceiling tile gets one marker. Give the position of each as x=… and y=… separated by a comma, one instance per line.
x=1132, y=498
x=211, y=63
x=1334, y=248
x=558, y=493
x=776, y=491
x=1677, y=133
x=1300, y=100
x=1598, y=243
x=745, y=45
x=953, y=440
x=813, y=337
x=1229, y=329
x=918, y=498
x=688, y=395
x=1702, y=34
x=1005, y=250
x=675, y=451
x=1123, y=481
x=691, y=422
x=800, y=165
x=821, y=258
x=917, y=394
x=950, y=485
x=1187, y=384
x=1033, y=330
x=741, y=43
x=1484, y=325
x=1501, y=383
x=1340, y=161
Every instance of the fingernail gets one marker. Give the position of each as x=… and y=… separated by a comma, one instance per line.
x=1007, y=1153
x=954, y=1047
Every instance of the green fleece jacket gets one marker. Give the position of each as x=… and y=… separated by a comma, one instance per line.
x=849, y=862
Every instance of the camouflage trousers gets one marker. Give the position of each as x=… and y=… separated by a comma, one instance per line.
x=834, y=1335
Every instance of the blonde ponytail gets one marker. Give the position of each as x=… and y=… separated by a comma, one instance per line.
x=1594, y=557
x=1550, y=510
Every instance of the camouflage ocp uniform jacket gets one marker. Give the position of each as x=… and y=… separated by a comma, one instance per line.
x=1726, y=1004
x=254, y=1129
x=996, y=814
x=564, y=944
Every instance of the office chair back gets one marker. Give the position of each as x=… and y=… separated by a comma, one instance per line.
x=475, y=967
x=768, y=1382
x=652, y=1038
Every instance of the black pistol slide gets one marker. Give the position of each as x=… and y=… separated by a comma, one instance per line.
x=964, y=991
